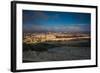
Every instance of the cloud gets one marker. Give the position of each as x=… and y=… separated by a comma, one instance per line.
x=34, y=28
x=40, y=15
x=59, y=28
x=35, y=16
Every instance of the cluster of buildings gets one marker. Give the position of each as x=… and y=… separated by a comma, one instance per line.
x=43, y=37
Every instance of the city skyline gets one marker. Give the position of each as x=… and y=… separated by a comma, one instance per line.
x=49, y=21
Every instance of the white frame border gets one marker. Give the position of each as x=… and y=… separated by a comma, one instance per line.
x=36, y=65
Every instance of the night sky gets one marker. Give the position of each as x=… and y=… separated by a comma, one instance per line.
x=49, y=21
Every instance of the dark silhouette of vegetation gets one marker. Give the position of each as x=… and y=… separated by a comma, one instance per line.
x=44, y=46
x=38, y=47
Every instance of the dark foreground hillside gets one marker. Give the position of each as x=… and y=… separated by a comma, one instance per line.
x=57, y=51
